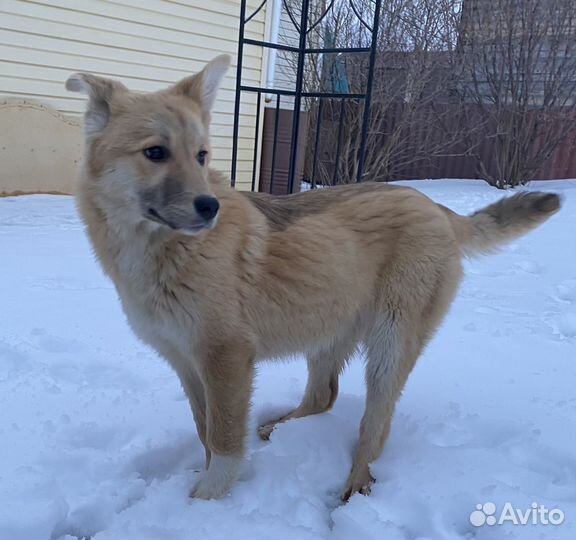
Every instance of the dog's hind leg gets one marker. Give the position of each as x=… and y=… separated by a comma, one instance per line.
x=393, y=345
x=388, y=366
x=324, y=368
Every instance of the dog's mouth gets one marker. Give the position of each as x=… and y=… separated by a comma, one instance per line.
x=191, y=229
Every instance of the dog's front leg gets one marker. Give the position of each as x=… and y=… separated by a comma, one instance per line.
x=227, y=373
x=194, y=388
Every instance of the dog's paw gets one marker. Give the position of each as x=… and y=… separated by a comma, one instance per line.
x=358, y=483
x=204, y=489
x=217, y=481
x=266, y=430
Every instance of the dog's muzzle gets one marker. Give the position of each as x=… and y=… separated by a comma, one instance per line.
x=187, y=220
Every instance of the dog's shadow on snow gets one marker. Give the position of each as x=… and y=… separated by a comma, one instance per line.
x=159, y=462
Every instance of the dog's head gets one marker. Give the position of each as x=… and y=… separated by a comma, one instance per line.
x=147, y=155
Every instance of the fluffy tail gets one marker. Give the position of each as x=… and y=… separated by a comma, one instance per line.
x=503, y=221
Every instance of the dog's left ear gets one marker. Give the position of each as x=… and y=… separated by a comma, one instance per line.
x=203, y=86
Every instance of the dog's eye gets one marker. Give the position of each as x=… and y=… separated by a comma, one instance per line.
x=201, y=157
x=157, y=153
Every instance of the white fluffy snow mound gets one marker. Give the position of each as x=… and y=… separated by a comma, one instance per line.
x=98, y=440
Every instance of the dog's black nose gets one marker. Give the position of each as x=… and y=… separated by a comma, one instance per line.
x=206, y=206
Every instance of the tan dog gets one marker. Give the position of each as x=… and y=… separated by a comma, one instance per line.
x=216, y=280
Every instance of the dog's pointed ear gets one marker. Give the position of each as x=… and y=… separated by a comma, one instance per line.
x=203, y=86
x=101, y=92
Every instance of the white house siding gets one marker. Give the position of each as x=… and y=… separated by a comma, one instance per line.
x=288, y=34
x=147, y=44
x=286, y=62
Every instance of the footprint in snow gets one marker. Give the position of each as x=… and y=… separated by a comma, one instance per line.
x=162, y=461
x=529, y=267
x=54, y=344
x=12, y=360
x=456, y=430
x=548, y=472
x=566, y=291
x=566, y=324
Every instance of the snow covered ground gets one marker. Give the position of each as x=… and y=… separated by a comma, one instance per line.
x=97, y=439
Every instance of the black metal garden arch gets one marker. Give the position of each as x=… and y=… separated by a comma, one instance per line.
x=302, y=28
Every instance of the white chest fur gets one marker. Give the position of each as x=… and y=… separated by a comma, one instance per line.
x=157, y=312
